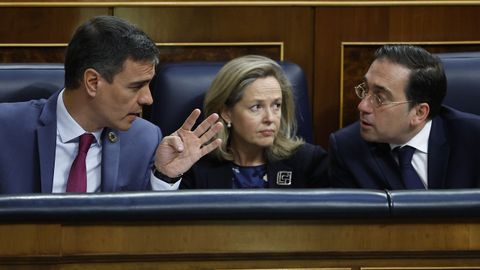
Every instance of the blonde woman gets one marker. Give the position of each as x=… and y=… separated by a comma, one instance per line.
x=259, y=148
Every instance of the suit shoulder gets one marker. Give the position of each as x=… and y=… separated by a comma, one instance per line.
x=350, y=131
x=142, y=127
x=21, y=114
x=348, y=136
x=308, y=149
x=32, y=106
x=142, y=134
x=306, y=154
x=455, y=119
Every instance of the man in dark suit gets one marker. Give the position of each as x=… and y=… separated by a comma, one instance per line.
x=109, y=64
x=405, y=138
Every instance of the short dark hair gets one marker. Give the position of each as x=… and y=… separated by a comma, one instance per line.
x=427, y=82
x=104, y=43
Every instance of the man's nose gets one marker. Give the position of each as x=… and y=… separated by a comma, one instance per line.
x=145, y=97
x=365, y=105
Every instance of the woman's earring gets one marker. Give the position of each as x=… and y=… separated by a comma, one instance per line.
x=229, y=125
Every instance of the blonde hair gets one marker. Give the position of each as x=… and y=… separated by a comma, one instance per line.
x=227, y=89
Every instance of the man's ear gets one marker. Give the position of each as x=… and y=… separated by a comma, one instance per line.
x=91, y=80
x=421, y=113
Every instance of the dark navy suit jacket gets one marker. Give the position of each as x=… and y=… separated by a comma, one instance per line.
x=305, y=168
x=453, y=156
x=28, y=140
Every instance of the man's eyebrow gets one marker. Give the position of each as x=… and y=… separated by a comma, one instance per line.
x=378, y=88
x=139, y=83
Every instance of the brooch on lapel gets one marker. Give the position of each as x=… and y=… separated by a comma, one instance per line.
x=284, y=178
x=112, y=137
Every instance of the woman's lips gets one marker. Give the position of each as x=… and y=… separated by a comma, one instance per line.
x=267, y=132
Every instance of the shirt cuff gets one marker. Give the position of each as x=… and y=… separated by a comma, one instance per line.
x=159, y=184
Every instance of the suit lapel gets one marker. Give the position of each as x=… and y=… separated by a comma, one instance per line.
x=279, y=174
x=388, y=169
x=110, y=160
x=438, y=154
x=47, y=141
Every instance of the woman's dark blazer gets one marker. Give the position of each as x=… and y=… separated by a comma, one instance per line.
x=305, y=168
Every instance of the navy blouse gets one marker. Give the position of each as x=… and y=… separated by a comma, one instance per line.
x=249, y=176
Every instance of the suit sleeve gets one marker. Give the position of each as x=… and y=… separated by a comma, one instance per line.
x=317, y=170
x=188, y=179
x=339, y=175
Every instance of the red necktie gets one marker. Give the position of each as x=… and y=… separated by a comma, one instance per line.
x=77, y=179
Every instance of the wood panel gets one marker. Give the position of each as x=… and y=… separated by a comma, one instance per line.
x=32, y=54
x=293, y=26
x=334, y=25
x=43, y=25
x=243, y=244
x=54, y=53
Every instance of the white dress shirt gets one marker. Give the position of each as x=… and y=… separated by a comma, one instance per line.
x=68, y=133
x=420, y=156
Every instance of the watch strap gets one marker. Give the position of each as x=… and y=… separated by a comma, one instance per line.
x=158, y=174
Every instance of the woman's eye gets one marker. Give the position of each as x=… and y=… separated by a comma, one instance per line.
x=255, y=108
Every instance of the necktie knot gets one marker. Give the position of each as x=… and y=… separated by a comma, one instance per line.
x=77, y=178
x=405, y=155
x=409, y=175
x=86, y=140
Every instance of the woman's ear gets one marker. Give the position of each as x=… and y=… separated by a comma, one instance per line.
x=226, y=114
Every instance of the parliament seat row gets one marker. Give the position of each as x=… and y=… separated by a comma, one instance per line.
x=303, y=204
x=178, y=88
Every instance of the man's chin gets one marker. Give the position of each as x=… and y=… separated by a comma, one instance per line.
x=124, y=126
x=368, y=136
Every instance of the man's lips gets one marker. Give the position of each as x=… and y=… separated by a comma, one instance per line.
x=136, y=113
x=365, y=123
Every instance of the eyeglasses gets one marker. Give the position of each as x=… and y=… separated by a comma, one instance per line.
x=362, y=92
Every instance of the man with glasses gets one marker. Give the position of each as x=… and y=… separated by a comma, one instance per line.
x=405, y=138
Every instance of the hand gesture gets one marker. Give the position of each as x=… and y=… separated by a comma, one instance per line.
x=180, y=150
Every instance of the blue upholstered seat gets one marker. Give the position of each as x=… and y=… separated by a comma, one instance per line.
x=318, y=204
x=196, y=205
x=22, y=82
x=463, y=80
x=180, y=87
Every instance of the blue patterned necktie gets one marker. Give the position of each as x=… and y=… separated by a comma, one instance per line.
x=409, y=175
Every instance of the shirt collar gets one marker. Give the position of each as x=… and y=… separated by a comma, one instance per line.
x=419, y=141
x=67, y=128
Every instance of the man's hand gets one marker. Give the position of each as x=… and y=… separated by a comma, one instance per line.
x=179, y=151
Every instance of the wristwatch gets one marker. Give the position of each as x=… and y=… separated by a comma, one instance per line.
x=158, y=174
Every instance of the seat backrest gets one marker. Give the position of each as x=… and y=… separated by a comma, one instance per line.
x=178, y=88
x=23, y=82
x=463, y=80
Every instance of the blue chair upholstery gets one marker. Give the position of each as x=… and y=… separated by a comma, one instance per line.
x=301, y=204
x=463, y=80
x=196, y=205
x=23, y=82
x=178, y=88
x=435, y=203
